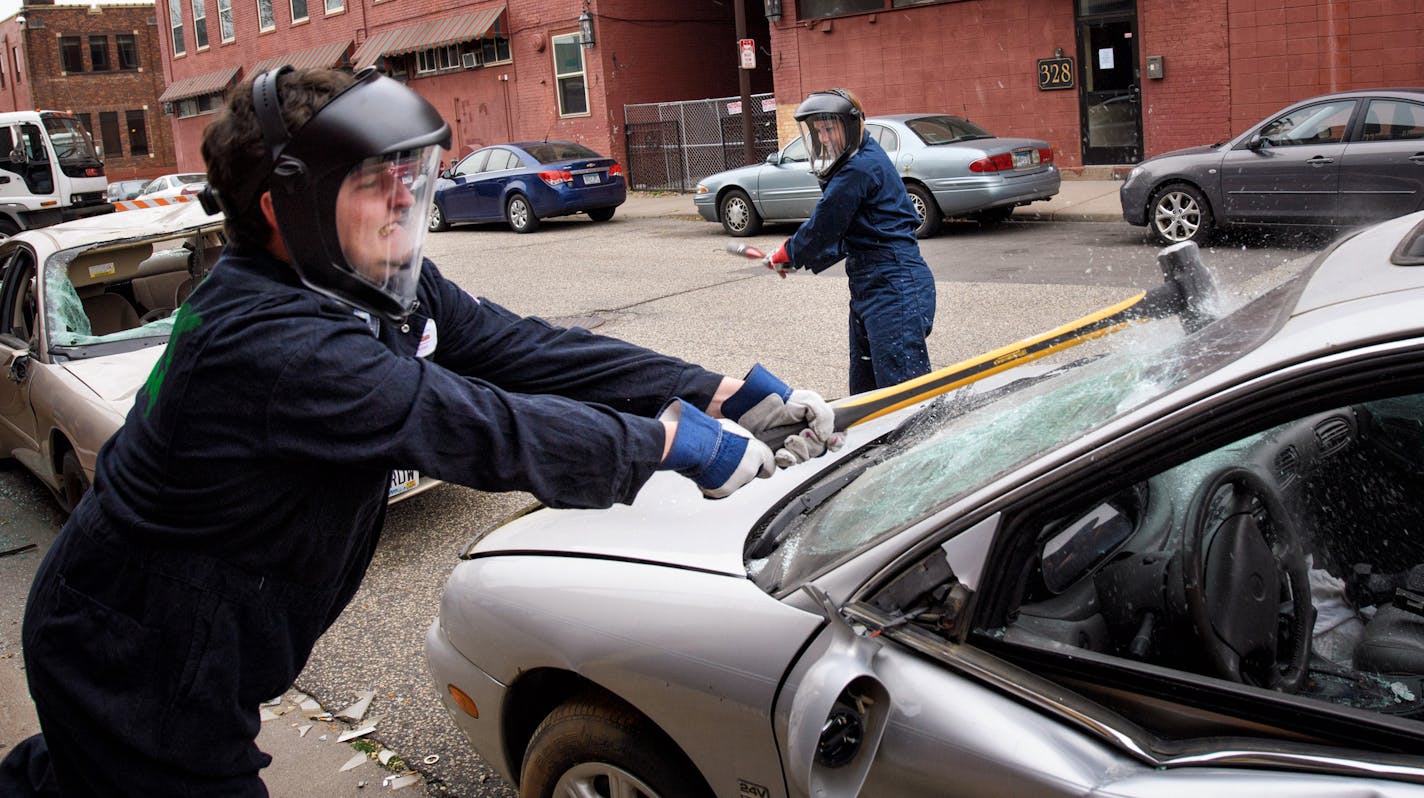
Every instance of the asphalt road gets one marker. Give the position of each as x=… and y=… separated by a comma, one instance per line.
x=663, y=282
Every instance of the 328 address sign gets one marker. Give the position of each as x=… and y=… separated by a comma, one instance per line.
x=1055, y=73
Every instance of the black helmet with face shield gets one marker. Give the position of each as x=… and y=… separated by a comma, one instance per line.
x=832, y=125
x=352, y=188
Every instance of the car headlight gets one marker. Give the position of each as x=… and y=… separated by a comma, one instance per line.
x=1132, y=175
x=701, y=189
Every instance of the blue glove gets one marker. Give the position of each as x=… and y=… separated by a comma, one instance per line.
x=765, y=402
x=719, y=457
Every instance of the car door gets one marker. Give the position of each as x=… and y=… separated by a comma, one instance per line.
x=490, y=184
x=1382, y=171
x=458, y=199
x=1067, y=642
x=786, y=189
x=19, y=320
x=1288, y=170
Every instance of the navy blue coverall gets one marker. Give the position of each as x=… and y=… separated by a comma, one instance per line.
x=865, y=216
x=234, y=514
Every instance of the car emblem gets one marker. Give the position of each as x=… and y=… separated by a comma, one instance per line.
x=589, y=165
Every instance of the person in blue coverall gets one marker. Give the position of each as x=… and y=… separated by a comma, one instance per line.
x=865, y=217
x=234, y=514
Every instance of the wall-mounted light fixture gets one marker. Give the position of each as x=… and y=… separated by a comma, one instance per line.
x=1058, y=52
x=586, y=27
x=773, y=9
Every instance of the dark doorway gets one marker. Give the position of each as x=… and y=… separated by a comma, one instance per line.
x=1111, y=95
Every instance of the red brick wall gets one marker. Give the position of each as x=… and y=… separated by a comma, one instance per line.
x=1189, y=105
x=977, y=60
x=43, y=84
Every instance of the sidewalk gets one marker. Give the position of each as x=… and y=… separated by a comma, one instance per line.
x=1092, y=200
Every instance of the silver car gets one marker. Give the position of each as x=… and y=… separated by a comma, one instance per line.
x=1335, y=160
x=1164, y=564
x=951, y=167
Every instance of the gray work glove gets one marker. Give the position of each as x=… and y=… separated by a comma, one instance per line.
x=765, y=402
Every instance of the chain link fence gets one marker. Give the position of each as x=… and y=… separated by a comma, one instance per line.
x=673, y=145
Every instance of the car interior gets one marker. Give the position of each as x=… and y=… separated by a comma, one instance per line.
x=1291, y=560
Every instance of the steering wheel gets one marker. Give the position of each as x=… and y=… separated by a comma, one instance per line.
x=1246, y=581
x=155, y=315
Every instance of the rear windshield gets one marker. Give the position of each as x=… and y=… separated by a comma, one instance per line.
x=549, y=151
x=946, y=129
x=187, y=179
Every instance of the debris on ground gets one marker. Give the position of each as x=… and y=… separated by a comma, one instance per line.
x=357, y=710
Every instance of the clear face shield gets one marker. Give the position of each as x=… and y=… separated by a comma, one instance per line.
x=381, y=212
x=827, y=137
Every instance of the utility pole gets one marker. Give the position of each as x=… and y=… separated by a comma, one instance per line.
x=744, y=83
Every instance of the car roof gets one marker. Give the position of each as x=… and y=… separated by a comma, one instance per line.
x=119, y=226
x=1410, y=93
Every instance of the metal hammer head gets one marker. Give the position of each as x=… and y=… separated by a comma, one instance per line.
x=1182, y=266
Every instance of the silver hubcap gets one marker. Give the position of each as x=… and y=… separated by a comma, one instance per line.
x=519, y=213
x=599, y=780
x=434, y=217
x=736, y=212
x=1177, y=216
x=919, y=207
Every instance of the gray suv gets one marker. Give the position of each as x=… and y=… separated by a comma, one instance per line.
x=1335, y=160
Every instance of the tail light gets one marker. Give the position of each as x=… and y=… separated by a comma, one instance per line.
x=994, y=163
x=616, y=170
x=556, y=177
x=1045, y=155
x=191, y=189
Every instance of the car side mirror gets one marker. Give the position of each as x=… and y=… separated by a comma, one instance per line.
x=1257, y=142
x=774, y=159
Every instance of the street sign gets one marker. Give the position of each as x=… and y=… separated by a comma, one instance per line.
x=747, y=49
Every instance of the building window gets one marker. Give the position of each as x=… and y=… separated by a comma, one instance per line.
x=494, y=50
x=299, y=10
x=71, y=57
x=333, y=6
x=128, y=50
x=200, y=24
x=2, y=70
x=138, y=132
x=225, y=20
x=193, y=106
x=568, y=73
x=109, y=129
x=175, y=20
x=265, y=19
x=99, y=53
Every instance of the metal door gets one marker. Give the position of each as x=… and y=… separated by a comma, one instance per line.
x=1111, y=97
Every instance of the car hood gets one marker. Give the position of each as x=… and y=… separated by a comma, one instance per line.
x=116, y=378
x=670, y=522
x=742, y=175
x=1203, y=149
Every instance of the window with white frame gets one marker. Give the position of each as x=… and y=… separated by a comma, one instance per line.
x=200, y=24
x=494, y=49
x=225, y=28
x=437, y=58
x=175, y=21
x=569, y=75
x=333, y=6
x=266, y=20
x=299, y=10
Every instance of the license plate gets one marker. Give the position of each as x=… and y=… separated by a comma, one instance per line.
x=1021, y=160
x=402, y=481
x=590, y=179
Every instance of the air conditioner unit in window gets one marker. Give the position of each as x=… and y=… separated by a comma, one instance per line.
x=470, y=60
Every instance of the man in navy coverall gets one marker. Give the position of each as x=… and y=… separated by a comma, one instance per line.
x=234, y=514
x=864, y=216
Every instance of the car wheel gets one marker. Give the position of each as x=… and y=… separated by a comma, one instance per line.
x=520, y=215
x=438, y=222
x=739, y=216
x=601, y=214
x=72, y=480
x=7, y=229
x=994, y=216
x=927, y=209
x=1178, y=213
x=596, y=746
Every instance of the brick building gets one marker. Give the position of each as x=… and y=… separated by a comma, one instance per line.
x=102, y=64
x=497, y=71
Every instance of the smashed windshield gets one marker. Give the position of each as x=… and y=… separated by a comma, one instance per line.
x=68, y=320
x=72, y=144
x=958, y=444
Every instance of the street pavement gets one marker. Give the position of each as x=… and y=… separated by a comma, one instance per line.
x=308, y=754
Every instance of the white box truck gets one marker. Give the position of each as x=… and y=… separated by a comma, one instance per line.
x=49, y=171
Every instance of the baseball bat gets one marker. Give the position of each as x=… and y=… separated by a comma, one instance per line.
x=1189, y=289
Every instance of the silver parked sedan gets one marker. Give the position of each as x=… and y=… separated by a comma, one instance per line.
x=1335, y=160
x=951, y=167
x=1168, y=563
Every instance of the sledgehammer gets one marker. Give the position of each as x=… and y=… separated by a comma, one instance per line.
x=1188, y=289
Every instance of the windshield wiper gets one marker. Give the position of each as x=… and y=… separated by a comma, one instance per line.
x=765, y=542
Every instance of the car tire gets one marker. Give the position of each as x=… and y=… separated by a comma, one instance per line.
x=1179, y=212
x=993, y=216
x=596, y=741
x=520, y=214
x=438, y=223
x=739, y=216
x=7, y=229
x=73, y=482
x=931, y=217
x=601, y=214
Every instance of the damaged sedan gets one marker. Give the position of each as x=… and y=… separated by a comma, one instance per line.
x=1164, y=562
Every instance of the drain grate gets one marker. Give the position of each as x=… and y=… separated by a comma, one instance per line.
x=586, y=322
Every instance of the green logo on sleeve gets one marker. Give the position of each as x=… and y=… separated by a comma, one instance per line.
x=185, y=321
